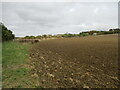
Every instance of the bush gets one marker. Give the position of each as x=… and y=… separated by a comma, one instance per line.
x=83, y=34
x=68, y=35
x=108, y=32
x=29, y=37
x=38, y=37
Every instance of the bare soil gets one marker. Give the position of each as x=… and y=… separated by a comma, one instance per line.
x=80, y=62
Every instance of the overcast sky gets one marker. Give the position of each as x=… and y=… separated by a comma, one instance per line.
x=28, y=18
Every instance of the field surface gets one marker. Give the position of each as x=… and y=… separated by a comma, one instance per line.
x=82, y=62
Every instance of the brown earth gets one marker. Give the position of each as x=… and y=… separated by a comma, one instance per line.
x=80, y=62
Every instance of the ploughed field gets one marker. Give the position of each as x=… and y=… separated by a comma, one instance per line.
x=80, y=62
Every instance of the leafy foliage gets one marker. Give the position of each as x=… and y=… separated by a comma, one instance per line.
x=6, y=34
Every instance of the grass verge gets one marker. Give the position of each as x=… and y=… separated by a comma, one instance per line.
x=15, y=74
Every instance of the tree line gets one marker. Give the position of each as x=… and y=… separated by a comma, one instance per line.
x=6, y=33
x=81, y=34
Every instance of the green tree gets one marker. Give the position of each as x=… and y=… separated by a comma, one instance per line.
x=38, y=37
x=26, y=37
x=32, y=37
x=6, y=34
x=44, y=36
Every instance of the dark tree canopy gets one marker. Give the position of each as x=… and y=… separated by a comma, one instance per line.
x=6, y=34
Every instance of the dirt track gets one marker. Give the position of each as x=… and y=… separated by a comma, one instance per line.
x=85, y=62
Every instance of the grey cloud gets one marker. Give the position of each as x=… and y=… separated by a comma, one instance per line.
x=0, y=12
x=50, y=18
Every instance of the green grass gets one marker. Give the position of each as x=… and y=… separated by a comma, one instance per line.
x=14, y=53
x=15, y=72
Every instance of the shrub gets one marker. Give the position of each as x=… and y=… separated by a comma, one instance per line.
x=83, y=34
